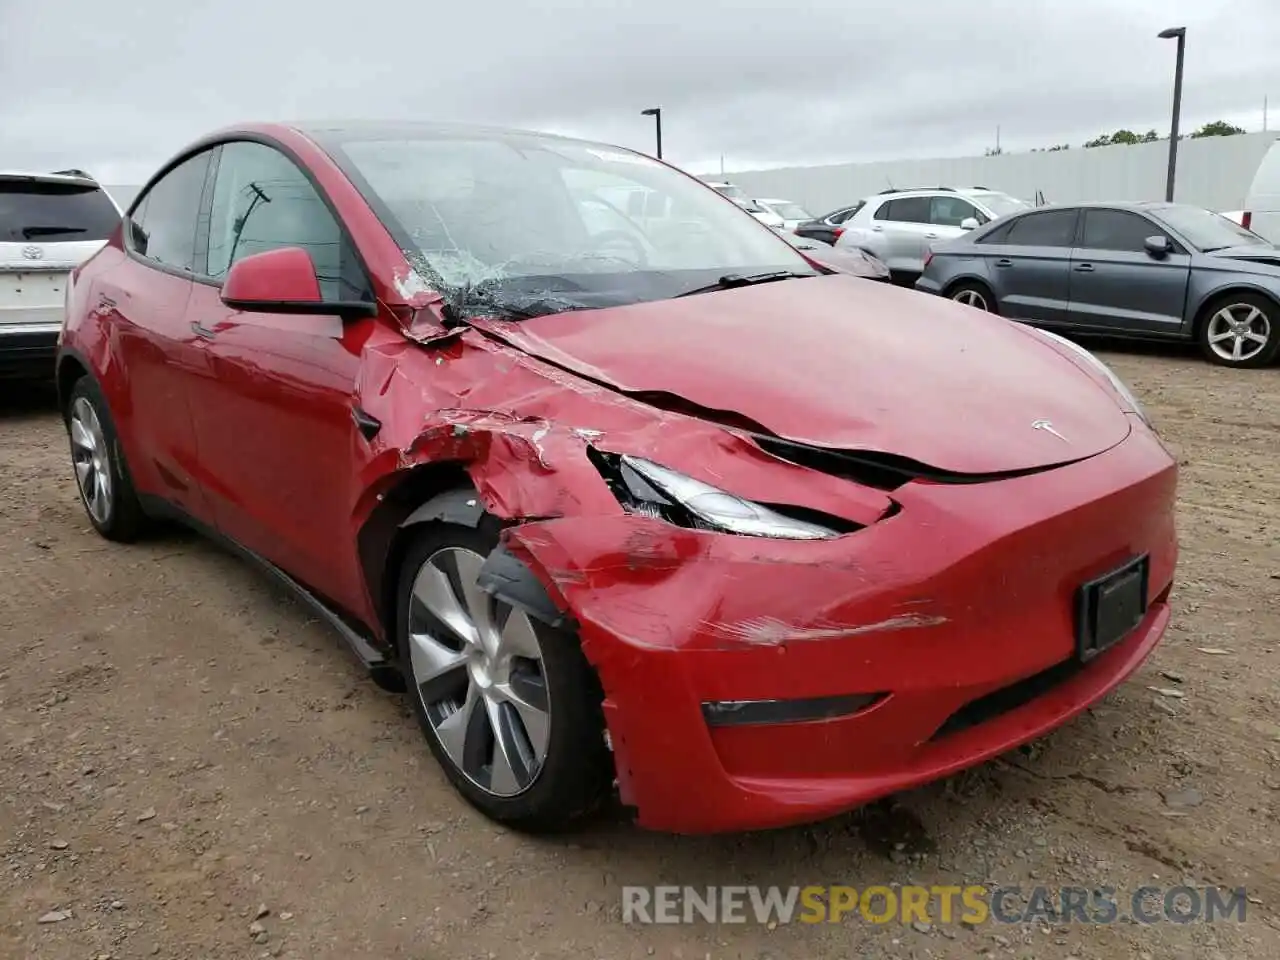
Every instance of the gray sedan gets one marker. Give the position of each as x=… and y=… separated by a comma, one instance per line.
x=1150, y=270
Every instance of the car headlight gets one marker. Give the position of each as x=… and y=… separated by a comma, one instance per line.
x=1117, y=384
x=649, y=489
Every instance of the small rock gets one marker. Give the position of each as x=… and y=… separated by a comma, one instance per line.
x=117, y=904
x=1169, y=692
x=362, y=809
x=55, y=916
x=263, y=910
x=1214, y=651
x=286, y=915
x=1001, y=941
x=147, y=814
x=921, y=927
x=1166, y=708
x=58, y=844
x=1170, y=675
x=1188, y=797
x=256, y=928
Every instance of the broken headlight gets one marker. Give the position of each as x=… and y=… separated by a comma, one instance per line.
x=652, y=490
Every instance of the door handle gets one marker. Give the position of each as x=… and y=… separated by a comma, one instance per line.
x=1084, y=268
x=201, y=331
x=877, y=229
x=1004, y=262
x=931, y=236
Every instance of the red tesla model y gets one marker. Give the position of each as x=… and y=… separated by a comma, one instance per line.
x=624, y=491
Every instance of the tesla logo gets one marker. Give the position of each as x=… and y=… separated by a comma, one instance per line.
x=32, y=253
x=1047, y=427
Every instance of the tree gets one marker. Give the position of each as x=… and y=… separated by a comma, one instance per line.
x=1219, y=128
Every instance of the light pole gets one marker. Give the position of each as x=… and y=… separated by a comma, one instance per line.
x=1180, y=34
x=656, y=113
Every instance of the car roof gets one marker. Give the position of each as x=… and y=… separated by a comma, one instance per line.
x=36, y=177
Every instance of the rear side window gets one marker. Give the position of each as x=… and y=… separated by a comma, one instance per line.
x=52, y=212
x=163, y=224
x=999, y=235
x=905, y=210
x=840, y=216
x=1052, y=228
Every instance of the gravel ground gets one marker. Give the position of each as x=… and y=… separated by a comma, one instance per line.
x=184, y=748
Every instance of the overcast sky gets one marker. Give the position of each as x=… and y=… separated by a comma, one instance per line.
x=115, y=87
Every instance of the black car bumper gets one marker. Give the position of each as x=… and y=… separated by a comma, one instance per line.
x=28, y=352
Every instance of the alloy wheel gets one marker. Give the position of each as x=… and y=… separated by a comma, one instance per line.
x=91, y=460
x=1238, y=332
x=971, y=298
x=477, y=668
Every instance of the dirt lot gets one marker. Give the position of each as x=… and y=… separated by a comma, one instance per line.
x=181, y=745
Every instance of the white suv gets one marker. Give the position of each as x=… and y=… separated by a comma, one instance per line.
x=899, y=226
x=50, y=223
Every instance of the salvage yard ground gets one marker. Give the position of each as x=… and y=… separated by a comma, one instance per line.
x=180, y=745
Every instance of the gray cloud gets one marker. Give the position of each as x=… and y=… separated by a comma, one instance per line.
x=117, y=88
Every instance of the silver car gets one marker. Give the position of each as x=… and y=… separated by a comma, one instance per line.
x=1150, y=270
x=900, y=226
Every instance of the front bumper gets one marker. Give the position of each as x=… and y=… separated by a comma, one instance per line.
x=27, y=350
x=967, y=591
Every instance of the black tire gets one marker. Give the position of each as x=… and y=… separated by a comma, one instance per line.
x=576, y=774
x=123, y=519
x=1241, y=306
x=971, y=293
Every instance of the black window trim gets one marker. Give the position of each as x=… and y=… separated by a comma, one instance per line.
x=1159, y=230
x=215, y=144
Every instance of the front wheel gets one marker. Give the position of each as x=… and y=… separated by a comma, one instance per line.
x=1241, y=330
x=509, y=706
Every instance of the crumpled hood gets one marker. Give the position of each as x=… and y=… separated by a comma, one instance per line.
x=844, y=364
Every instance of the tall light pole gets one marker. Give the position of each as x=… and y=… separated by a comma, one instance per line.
x=1180, y=34
x=656, y=113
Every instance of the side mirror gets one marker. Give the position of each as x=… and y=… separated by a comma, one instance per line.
x=969, y=223
x=1157, y=247
x=283, y=280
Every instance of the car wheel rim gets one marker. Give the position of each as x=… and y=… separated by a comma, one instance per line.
x=1239, y=332
x=91, y=460
x=477, y=668
x=971, y=298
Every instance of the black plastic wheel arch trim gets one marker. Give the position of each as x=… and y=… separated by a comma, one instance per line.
x=509, y=579
x=462, y=507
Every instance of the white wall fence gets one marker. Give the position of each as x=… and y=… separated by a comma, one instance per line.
x=1213, y=172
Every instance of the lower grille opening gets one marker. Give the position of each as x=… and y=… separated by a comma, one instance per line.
x=1001, y=701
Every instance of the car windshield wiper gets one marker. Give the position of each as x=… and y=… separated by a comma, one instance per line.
x=731, y=280
x=31, y=232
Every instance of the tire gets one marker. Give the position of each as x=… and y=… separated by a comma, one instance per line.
x=1246, y=324
x=973, y=294
x=561, y=769
x=102, y=476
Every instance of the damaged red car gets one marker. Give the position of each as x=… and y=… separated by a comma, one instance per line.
x=626, y=493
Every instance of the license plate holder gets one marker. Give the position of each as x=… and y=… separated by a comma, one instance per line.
x=1110, y=607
